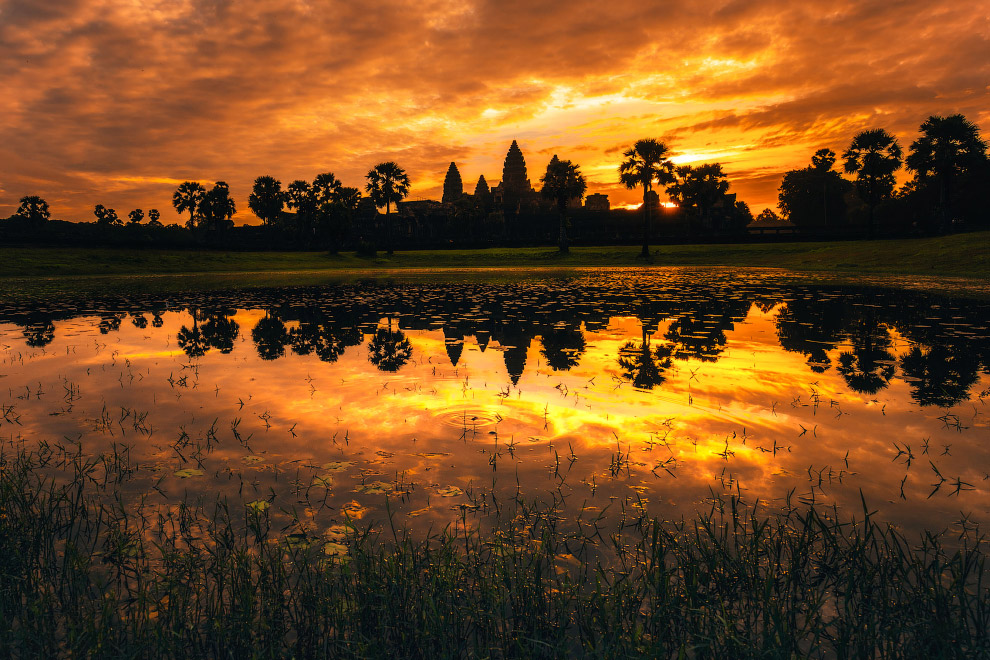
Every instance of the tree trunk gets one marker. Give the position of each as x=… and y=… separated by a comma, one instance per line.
x=562, y=239
x=645, y=253
x=388, y=230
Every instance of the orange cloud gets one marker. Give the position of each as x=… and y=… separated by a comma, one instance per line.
x=110, y=102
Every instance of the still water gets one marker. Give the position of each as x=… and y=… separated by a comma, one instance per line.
x=598, y=390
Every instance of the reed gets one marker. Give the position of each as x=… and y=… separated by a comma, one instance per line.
x=87, y=571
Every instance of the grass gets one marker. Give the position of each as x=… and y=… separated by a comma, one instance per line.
x=88, y=573
x=964, y=255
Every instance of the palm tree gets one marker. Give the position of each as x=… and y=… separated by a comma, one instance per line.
x=873, y=156
x=822, y=162
x=153, y=218
x=562, y=182
x=948, y=146
x=387, y=184
x=187, y=198
x=267, y=199
x=644, y=365
x=389, y=350
x=647, y=162
x=136, y=216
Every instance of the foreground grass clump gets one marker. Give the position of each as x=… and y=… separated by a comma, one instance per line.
x=87, y=571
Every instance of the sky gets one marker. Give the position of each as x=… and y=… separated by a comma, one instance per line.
x=116, y=102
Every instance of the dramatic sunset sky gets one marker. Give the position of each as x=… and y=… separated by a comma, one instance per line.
x=118, y=101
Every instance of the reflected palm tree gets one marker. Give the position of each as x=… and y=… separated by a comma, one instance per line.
x=644, y=365
x=562, y=348
x=389, y=350
x=40, y=334
x=812, y=328
x=270, y=337
x=191, y=340
x=938, y=375
x=869, y=367
x=139, y=320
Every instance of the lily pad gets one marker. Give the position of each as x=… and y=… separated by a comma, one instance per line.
x=335, y=549
x=375, y=488
x=337, y=466
x=324, y=480
x=259, y=505
x=187, y=473
x=450, y=491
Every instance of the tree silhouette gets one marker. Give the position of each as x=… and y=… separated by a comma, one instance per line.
x=33, y=209
x=135, y=217
x=192, y=341
x=939, y=376
x=39, y=334
x=387, y=184
x=105, y=216
x=324, y=339
x=562, y=347
x=188, y=197
x=810, y=195
x=873, y=157
x=389, y=350
x=328, y=208
x=299, y=198
x=217, y=208
x=154, y=218
x=701, y=187
x=562, y=182
x=648, y=162
x=220, y=332
x=270, y=337
x=869, y=366
x=267, y=200
x=948, y=147
x=643, y=365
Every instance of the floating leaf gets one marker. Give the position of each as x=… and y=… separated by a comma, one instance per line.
x=259, y=505
x=335, y=549
x=450, y=491
x=324, y=480
x=186, y=473
x=337, y=466
x=375, y=488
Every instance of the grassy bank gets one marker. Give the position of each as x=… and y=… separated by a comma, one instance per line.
x=85, y=573
x=966, y=255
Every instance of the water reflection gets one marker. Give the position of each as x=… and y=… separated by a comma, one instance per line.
x=638, y=384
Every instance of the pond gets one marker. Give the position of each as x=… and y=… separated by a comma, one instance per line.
x=601, y=391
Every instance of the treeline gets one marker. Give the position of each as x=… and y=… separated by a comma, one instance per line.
x=949, y=190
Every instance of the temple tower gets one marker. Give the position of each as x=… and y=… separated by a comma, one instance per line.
x=515, y=182
x=453, y=188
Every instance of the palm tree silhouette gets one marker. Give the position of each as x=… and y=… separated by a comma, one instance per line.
x=644, y=365
x=389, y=350
x=647, y=162
x=136, y=216
x=187, y=197
x=869, y=366
x=387, y=184
x=192, y=340
x=562, y=182
x=948, y=146
x=873, y=156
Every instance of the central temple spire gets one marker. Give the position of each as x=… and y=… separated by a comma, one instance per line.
x=514, y=178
